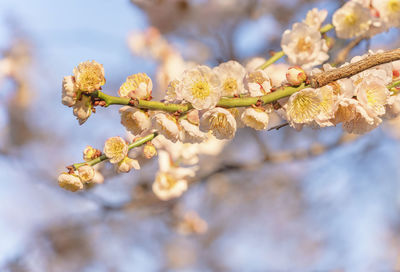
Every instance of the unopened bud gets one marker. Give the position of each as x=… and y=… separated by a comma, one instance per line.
x=295, y=76
x=149, y=151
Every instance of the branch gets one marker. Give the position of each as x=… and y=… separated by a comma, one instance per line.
x=352, y=69
x=104, y=157
x=342, y=55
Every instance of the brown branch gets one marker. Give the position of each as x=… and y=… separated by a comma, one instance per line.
x=352, y=69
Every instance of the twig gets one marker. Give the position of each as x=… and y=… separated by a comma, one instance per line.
x=352, y=69
x=278, y=127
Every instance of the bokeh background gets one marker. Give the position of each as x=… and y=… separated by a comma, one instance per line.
x=315, y=200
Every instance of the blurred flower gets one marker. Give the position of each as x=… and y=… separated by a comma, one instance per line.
x=116, y=149
x=304, y=46
x=70, y=182
x=149, y=150
x=389, y=11
x=351, y=20
x=127, y=164
x=315, y=18
x=192, y=223
x=86, y=173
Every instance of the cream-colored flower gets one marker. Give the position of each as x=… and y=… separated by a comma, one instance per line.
x=304, y=46
x=220, y=121
x=389, y=11
x=116, y=149
x=86, y=173
x=137, y=86
x=315, y=18
x=167, y=125
x=70, y=182
x=149, y=150
x=135, y=120
x=201, y=87
x=83, y=109
x=237, y=114
x=373, y=95
x=192, y=133
x=327, y=107
x=303, y=106
x=256, y=118
x=362, y=122
x=89, y=76
x=351, y=20
x=127, y=164
x=171, y=181
x=254, y=63
x=277, y=73
x=69, y=91
x=231, y=76
x=90, y=153
x=392, y=109
x=173, y=94
x=192, y=223
x=257, y=83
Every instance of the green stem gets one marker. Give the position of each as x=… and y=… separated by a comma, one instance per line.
x=104, y=157
x=223, y=102
x=394, y=84
x=280, y=54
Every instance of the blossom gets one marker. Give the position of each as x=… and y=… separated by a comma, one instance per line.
x=201, y=87
x=351, y=20
x=70, y=182
x=86, y=173
x=69, y=91
x=258, y=83
x=137, y=86
x=304, y=46
x=220, y=121
x=149, y=150
x=173, y=93
x=256, y=118
x=192, y=133
x=126, y=164
x=295, y=76
x=90, y=153
x=83, y=109
x=389, y=11
x=166, y=125
x=361, y=122
x=231, y=75
x=303, y=106
x=373, y=95
x=116, y=149
x=171, y=181
x=315, y=18
x=192, y=223
x=135, y=120
x=89, y=76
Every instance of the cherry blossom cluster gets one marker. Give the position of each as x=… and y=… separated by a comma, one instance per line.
x=204, y=106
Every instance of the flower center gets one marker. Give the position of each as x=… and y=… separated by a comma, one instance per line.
x=350, y=19
x=304, y=108
x=230, y=86
x=201, y=89
x=218, y=121
x=303, y=45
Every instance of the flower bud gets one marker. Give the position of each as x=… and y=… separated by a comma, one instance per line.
x=86, y=173
x=295, y=76
x=90, y=153
x=149, y=151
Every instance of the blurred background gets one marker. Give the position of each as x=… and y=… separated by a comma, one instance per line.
x=315, y=200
